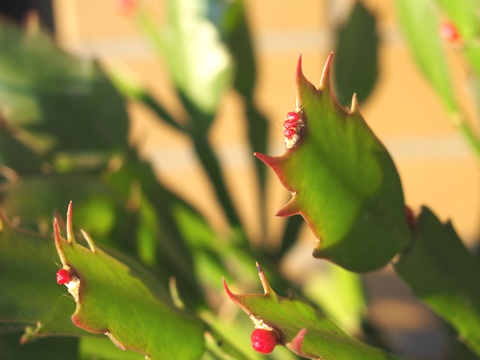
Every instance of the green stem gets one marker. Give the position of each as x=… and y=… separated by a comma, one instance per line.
x=257, y=126
x=212, y=167
x=146, y=99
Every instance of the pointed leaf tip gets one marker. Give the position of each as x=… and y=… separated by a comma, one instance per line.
x=266, y=286
x=90, y=242
x=235, y=298
x=266, y=159
x=302, y=85
x=70, y=235
x=227, y=289
x=58, y=241
x=290, y=208
x=354, y=105
x=325, y=79
x=298, y=78
x=296, y=344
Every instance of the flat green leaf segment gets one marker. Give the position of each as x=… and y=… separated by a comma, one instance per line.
x=113, y=299
x=343, y=181
x=27, y=271
x=301, y=327
x=442, y=272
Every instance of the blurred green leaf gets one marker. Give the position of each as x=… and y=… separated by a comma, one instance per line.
x=191, y=43
x=240, y=44
x=212, y=166
x=464, y=14
x=356, y=56
x=53, y=102
x=60, y=348
x=101, y=348
x=420, y=23
x=16, y=153
x=343, y=182
x=301, y=327
x=113, y=299
x=161, y=243
x=132, y=88
x=442, y=272
x=289, y=236
x=99, y=207
x=340, y=295
x=472, y=52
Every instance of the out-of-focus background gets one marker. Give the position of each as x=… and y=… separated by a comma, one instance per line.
x=436, y=166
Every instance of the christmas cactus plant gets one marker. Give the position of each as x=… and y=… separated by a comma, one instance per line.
x=149, y=276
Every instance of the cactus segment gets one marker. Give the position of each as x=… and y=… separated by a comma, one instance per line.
x=299, y=326
x=342, y=180
x=118, y=301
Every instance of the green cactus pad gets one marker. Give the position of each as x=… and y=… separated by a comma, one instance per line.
x=120, y=302
x=300, y=327
x=343, y=181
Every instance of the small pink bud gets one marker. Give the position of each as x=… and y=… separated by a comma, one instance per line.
x=63, y=276
x=127, y=7
x=288, y=124
x=449, y=32
x=293, y=116
x=288, y=133
x=263, y=340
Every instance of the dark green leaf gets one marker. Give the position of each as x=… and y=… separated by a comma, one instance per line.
x=30, y=295
x=53, y=102
x=356, y=56
x=420, y=23
x=60, y=348
x=442, y=272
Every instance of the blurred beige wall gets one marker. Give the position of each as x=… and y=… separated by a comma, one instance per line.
x=436, y=166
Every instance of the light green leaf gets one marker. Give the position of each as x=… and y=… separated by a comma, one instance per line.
x=340, y=294
x=465, y=16
x=420, y=21
x=192, y=45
